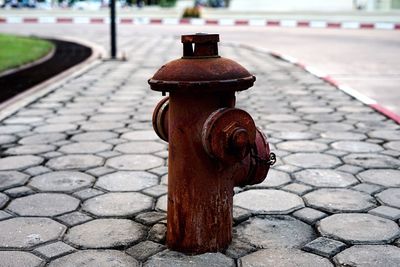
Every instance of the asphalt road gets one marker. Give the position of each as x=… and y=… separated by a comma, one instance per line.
x=367, y=60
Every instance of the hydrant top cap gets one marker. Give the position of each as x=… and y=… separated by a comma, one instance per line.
x=201, y=69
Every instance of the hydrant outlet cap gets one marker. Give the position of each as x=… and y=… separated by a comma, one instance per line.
x=201, y=69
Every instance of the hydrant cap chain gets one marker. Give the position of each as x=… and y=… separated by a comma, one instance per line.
x=201, y=69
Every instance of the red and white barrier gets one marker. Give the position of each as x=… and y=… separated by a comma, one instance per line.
x=197, y=22
x=345, y=88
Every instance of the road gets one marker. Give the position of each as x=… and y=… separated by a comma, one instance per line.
x=367, y=60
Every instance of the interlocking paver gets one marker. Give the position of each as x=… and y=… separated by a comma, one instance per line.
x=274, y=232
x=268, y=201
x=20, y=258
x=61, y=181
x=359, y=228
x=96, y=258
x=91, y=139
x=338, y=200
x=127, y=181
x=367, y=255
x=28, y=232
x=282, y=258
x=325, y=178
x=43, y=204
x=105, y=233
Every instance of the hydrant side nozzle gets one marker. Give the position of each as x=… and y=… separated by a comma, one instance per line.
x=160, y=119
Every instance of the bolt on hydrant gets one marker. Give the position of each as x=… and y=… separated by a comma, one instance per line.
x=213, y=146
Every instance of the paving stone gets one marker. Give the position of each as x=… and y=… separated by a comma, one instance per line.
x=108, y=154
x=75, y=162
x=356, y=146
x=339, y=200
x=54, y=250
x=332, y=126
x=140, y=147
x=19, y=162
x=393, y=145
x=390, y=197
x=385, y=134
x=239, y=249
x=4, y=215
x=324, y=247
x=127, y=181
x=109, y=117
x=38, y=170
x=358, y=228
x=150, y=218
x=105, y=233
x=134, y=162
x=239, y=215
x=156, y=191
x=85, y=148
x=281, y=117
x=386, y=212
x=384, y=177
x=116, y=141
x=55, y=128
x=28, y=232
x=286, y=126
x=29, y=149
x=299, y=189
x=274, y=179
x=53, y=154
x=160, y=170
x=274, y=232
x=44, y=138
x=117, y=204
x=94, y=136
x=10, y=129
x=367, y=255
x=88, y=193
x=144, y=250
x=3, y=200
x=176, y=259
x=268, y=201
x=302, y=146
x=95, y=258
x=312, y=160
x=287, y=168
x=74, y=218
x=10, y=179
x=369, y=161
x=161, y=203
x=19, y=191
x=44, y=204
x=325, y=178
x=158, y=233
x=335, y=152
x=282, y=258
x=343, y=135
x=7, y=139
x=100, y=171
x=101, y=126
x=66, y=118
x=294, y=135
x=61, y=181
x=147, y=135
x=19, y=259
x=309, y=215
x=349, y=168
x=367, y=188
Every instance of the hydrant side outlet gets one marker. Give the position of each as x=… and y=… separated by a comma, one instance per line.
x=213, y=146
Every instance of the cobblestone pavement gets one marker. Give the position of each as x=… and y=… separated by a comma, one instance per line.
x=83, y=176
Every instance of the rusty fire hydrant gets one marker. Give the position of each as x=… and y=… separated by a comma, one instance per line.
x=213, y=146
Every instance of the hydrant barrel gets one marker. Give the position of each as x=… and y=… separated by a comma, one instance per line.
x=213, y=146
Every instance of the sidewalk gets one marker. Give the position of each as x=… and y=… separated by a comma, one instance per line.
x=83, y=176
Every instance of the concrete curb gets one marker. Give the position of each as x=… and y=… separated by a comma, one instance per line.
x=12, y=105
x=343, y=87
x=200, y=22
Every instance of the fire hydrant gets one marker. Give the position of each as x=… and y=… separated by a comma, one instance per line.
x=213, y=146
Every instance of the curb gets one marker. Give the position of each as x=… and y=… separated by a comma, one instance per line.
x=343, y=87
x=25, y=98
x=200, y=22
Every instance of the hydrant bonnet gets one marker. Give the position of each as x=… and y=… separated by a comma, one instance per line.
x=201, y=69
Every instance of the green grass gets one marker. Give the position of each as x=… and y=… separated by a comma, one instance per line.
x=16, y=51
